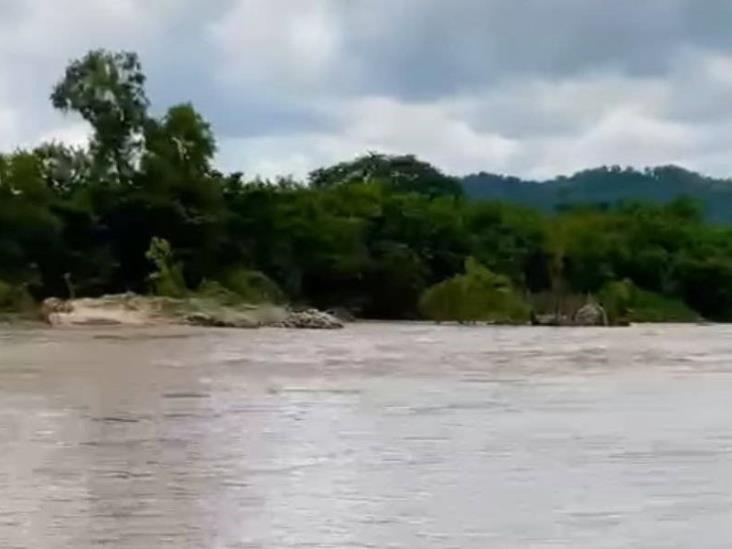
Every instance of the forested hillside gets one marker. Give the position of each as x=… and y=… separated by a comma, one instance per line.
x=607, y=186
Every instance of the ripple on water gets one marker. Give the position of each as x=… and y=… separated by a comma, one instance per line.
x=382, y=435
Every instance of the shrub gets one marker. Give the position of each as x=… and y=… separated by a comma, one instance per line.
x=477, y=295
x=167, y=280
x=251, y=286
x=210, y=289
x=624, y=301
x=616, y=298
x=14, y=298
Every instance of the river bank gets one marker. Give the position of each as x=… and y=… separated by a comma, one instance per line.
x=136, y=310
x=215, y=311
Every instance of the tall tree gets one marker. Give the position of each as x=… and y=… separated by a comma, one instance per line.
x=107, y=90
x=182, y=144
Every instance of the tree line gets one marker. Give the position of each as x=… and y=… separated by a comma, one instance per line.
x=377, y=235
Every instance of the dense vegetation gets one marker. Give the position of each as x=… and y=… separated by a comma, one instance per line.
x=142, y=209
x=478, y=295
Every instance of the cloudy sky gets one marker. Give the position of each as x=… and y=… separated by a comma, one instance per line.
x=527, y=87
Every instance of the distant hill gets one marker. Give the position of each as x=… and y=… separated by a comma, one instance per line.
x=607, y=186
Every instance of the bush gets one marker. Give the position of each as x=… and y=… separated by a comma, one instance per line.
x=477, y=295
x=651, y=307
x=167, y=280
x=210, y=289
x=251, y=286
x=624, y=301
x=14, y=298
x=616, y=298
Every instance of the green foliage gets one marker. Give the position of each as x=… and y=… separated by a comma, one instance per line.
x=29, y=230
x=251, y=286
x=215, y=292
x=705, y=282
x=653, y=307
x=394, y=281
x=14, y=298
x=617, y=298
x=373, y=235
x=477, y=295
x=167, y=280
x=64, y=169
x=107, y=90
x=181, y=144
x=624, y=301
x=401, y=173
x=6, y=296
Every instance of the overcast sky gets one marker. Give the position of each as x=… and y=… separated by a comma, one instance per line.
x=528, y=87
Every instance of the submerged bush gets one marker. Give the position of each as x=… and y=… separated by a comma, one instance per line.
x=477, y=295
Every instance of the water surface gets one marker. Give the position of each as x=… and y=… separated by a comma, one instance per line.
x=378, y=436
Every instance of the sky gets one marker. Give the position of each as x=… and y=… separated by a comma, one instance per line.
x=532, y=88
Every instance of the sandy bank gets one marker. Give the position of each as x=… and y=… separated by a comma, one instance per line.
x=136, y=310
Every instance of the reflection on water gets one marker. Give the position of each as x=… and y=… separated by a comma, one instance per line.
x=380, y=435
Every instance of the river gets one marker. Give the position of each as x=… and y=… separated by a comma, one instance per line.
x=377, y=436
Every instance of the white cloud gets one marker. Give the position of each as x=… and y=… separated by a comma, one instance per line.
x=76, y=134
x=38, y=39
x=624, y=137
x=534, y=128
x=279, y=43
x=8, y=128
x=432, y=131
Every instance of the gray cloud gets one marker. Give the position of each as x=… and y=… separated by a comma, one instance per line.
x=531, y=87
x=426, y=48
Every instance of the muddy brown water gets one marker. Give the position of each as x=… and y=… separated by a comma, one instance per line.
x=378, y=436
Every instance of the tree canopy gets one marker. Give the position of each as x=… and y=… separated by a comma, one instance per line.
x=108, y=90
x=385, y=236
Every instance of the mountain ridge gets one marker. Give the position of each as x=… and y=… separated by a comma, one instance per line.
x=605, y=186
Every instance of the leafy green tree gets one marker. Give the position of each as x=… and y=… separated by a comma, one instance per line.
x=394, y=281
x=107, y=90
x=511, y=240
x=29, y=231
x=403, y=173
x=181, y=145
x=173, y=194
x=706, y=284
